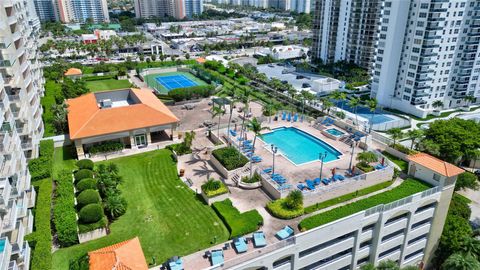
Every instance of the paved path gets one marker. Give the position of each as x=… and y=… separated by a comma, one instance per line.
x=414, y=122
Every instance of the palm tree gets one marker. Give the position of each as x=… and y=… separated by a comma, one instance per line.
x=326, y=105
x=60, y=117
x=230, y=92
x=217, y=111
x=459, y=261
x=437, y=104
x=338, y=95
x=372, y=105
x=115, y=205
x=353, y=103
x=396, y=134
x=268, y=110
x=306, y=96
x=189, y=137
x=256, y=127
x=414, y=135
x=468, y=100
x=246, y=98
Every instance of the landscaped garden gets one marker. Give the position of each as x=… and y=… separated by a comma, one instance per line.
x=230, y=158
x=237, y=223
x=163, y=212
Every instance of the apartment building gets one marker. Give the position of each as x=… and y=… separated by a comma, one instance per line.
x=67, y=11
x=419, y=51
x=97, y=10
x=21, y=85
x=45, y=10
x=156, y=8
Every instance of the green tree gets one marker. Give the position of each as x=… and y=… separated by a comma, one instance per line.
x=338, y=95
x=256, y=127
x=458, y=261
x=414, y=135
x=60, y=117
x=115, y=206
x=367, y=157
x=372, y=105
x=396, y=134
x=469, y=99
x=218, y=112
x=467, y=180
x=294, y=200
x=354, y=103
x=437, y=104
x=388, y=265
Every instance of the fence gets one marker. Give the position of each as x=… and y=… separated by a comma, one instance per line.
x=397, y=123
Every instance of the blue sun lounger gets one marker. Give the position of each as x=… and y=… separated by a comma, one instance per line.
x=338, y=177
x=176, y=265
x=295, y=118
x=259, y=239
x=317, y=181
x=284, y=186
x=233, y=133
x=284, y=233
x=240, y=244
x=289, y=117
x=310, y=184
x=217, y=257
x=326, y=181
x=267, y=170
x=284, y=115
x=380, y=167
x=301, y=186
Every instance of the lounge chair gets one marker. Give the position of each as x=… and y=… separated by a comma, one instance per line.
x=284, y=115
x=233, y=133
x=338, y=177
x=216, y=257
x=295, y=118
x=280, y=181
x=176, y=264
x=259, y=239
x=379, y=167
x=284, y=233
x=284, y=186
x=326, y=181
x=267, y=170
x=317, y=181
x=310, y=184
x=289, y=117
x=301, y=186
x=240, y=244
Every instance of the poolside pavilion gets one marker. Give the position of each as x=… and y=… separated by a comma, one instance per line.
x=134, y=117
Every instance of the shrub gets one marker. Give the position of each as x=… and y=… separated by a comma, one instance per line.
x=254, y=179
x=86, y=183
x=85, y=164
x=230, y=158
x=236, y=222
x=64, y=214
x=91, y=213
x=88, y=196
x=115, y=206
x=106, y=147
x=180, y=148
x=403, y=149
x=193, y=92
x=367, y=157
x=41, y=167
x=294, y=200
x=364, y=166
x=82, y=174
x=102, y=223
x=279, y=209
x=213, y=188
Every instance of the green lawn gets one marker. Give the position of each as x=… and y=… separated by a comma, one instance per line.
x=400, y=162
x=163, y=212
x=110, y=84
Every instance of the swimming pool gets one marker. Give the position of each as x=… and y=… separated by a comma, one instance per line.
x=298, y=146
x=335, y=132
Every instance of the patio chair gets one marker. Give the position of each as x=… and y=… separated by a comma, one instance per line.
x=326, y=181
x=233, y=133
x=295, y=118
x=284, y=115
x=267, y=170
x=240, y=244
x=301, y=186
x=217, y=257
x=284, y=233
x=289, y=117
x=379, y=167
x=310, y=184
x=259, y=239
x=317, y=181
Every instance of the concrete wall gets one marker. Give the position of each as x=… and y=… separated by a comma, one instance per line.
x=396, y=153
x=425, y=174
x=211, y=200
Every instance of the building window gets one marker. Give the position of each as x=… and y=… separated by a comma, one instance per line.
x=329, y=259
x=426, y=207
x=368, y=227
x=436, y=177
x=389, y=251
x=282, y=261
x=393, y=235
x=325, y=244
x=413, y=254
x=420, y=223
x=363, y=260
x=418, y=238
x=392, y=220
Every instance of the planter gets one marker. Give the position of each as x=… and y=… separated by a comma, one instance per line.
x=250, y=185
x=210, y=200
x=92, y=235
x=222, y=170
x=436, y=112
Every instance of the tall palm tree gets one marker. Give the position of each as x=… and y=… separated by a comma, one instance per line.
x=115, y=206
x=246, y=98
x=256, y=127
x=396, y=134
x=354, y=103
x=268, y=110
x=414, y=135
x=339, y=95
x=372, y=105
x=437, y=104
x=459, y=261
x=469, y=99
x=230, y=92
x=217, y=111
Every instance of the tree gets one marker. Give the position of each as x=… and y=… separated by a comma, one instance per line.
x=189, y=137
x=471, y=246
x=473, y=154
x=396, y=134
x=456, y=229
x=437, y=104
x=338, y=95
x=217, y=111
x=294, y=200
x=467, y=180
x=469, y=99
x=458, y=261
x=367, y=157
x=388, y=265
x=268, y=110
x=326, y=105
x=115, y=206
x=354, y=103
x=233, y=100
x=414, y=135
x=246, y=98
x=256, y=127
x=372, y=105
x=60, y=117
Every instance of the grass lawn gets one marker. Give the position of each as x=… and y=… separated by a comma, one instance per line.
x=153, y=83
x=163, y=212
x=400, y=162
x=110, y=84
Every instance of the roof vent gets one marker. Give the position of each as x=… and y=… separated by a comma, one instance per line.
x=106, y=103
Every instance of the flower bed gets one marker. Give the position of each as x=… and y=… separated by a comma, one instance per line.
x=214, y=188
x=237, y=223
x=106, y=147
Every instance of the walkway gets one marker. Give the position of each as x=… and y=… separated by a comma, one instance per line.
x=414, y=122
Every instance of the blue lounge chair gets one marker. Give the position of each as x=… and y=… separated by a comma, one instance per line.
x=338, y=177
x=233, y=133
x=326, y=181
x=284, y=233
x=295, y=118
x=176, y=265
x=267, y=170
x=259, y=239
x=379, y=167
x=284, y=186
x=217, y=257
x=301, y=186
x=276, y=174
x=256, y=160
x=317, y=181
x=284, y=115
x=310, y=184
x=240, y=244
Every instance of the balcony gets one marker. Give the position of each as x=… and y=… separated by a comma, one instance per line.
x=418, y=102
x=6, y=63
x=5, y=141
x=5, y=252
x=11, y=19
x=5, y=191
x=32, y=196
x=13, y=265
x=10, y=219
x=18, y=236
x=22, y=204
x=420, y=94
x=24, y=257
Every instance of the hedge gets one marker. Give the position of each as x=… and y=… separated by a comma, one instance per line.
x=41, y=167
x=82, y=174
x=106, y=147
x=365, y=167
x=214, y=188
x=91, y=213
x=102, y=223
x=347, y=197
x=64, y=214
x=41, y=238
x=403, y=149
x=277, y=209
x=230, y=158
x=193, y=92
x=408, y=187
x=86, y=183
x=85, y=164
x=88, y=196
x=237, y=223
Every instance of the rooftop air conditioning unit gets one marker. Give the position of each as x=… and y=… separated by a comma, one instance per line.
x=106, y=103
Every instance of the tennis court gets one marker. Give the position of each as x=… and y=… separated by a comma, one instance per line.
x=175, y=81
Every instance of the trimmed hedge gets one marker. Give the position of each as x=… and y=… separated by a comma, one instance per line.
x=86, y=183
x=64, y=214
x=193, y=92
x=278, y=209
x=83, y=174
x=214, y=188
x=106, y=147
x=102, y=223
x=408, y=187
x=365, y=167
x=237, y=223
x=88, y=196
x=41, y=167
x=85, y=164
x=41, y=238
x=91, y=213
x=230, y=158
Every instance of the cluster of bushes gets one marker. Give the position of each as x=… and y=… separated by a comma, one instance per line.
x=41, y=167
x=407, y=188
x=213, y=188
x=403, y=149
x=64, y=214
x=365, y=167
x=229, y=72
x=108, y=181
x=254, y=179
x=179, y=148
x=41, y=238
x=106, y=147
x=288, y=207
x=230, y=158
x=237, y=223
x=194, y=92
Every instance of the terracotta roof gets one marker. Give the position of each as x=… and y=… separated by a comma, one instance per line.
x=127, y=255
x=73, y=71
x=201, y=60
x=87, y=119
x=437, y=165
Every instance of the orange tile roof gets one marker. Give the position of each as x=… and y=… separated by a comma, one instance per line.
x=437, y=165
x=73, y=71
x=127, y=255
x=201, y=60
x=86, y=119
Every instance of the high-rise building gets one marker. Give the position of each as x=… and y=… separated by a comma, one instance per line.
x=154, y=8
x=64, y=11
x=300, y=6
x=418, y=52
x=45, y=10
x=97, y=10
x=21, y=85
x=192, y=7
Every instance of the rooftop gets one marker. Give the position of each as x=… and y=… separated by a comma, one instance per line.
x=73, y=71
x=127, y=255
x=123, y=110
x=439, y=166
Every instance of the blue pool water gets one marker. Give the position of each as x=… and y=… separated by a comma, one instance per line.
x=365, y=112
x=298, y=146
x=335, y=132
x=2, y=245
x=175, y=81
